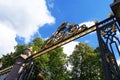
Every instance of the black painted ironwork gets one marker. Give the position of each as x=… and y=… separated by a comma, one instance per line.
x=108, y=37
x=26, y=72
x=3, y=76
x=115, y=6
x=31, y=72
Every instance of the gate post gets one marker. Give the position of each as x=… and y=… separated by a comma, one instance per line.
x=108, y=76
x=107, y=37
x=115, y=6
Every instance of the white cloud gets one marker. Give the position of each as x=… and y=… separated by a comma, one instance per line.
x=119, y=47
x=22, y=18
x=7, y=39
x=118, y=61
x=46, y=38
x=118, y=33
x=88, y=23
x=25, y=16
x=69, y=47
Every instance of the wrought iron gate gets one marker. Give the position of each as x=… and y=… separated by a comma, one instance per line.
x=108, y=37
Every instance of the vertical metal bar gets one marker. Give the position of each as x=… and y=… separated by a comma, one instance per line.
x=107, y=72
x=30, y=73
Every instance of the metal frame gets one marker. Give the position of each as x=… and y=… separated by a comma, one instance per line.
x=107, y=37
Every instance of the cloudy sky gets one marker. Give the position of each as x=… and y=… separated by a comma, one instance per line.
x=23, y=20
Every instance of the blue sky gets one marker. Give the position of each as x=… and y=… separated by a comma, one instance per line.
x=77, y=11
x=23, y=20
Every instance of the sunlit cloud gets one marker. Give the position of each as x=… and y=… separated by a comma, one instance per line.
x=118, y=61
x=88, y=24
x=21, y=18
x=69, y=47
x=7, y=39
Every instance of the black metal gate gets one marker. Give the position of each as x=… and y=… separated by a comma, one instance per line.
x=108, y=36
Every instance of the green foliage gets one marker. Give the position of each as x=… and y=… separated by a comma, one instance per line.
x=57, y=60
x=85, y=64
x=51, y=64
x=36, y=44
x=7, y=60
x=100, y=66
x=19, y=49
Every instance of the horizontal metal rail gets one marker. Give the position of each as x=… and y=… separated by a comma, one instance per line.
x=6, y=70
x=91, y=29
x=76, y=36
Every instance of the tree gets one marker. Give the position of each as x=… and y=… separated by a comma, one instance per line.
x=85, y=63
x=7, y=60
x=52, y=63
x=37, y=44
x=100, y=66
x=57, y=61
x=19, y=49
